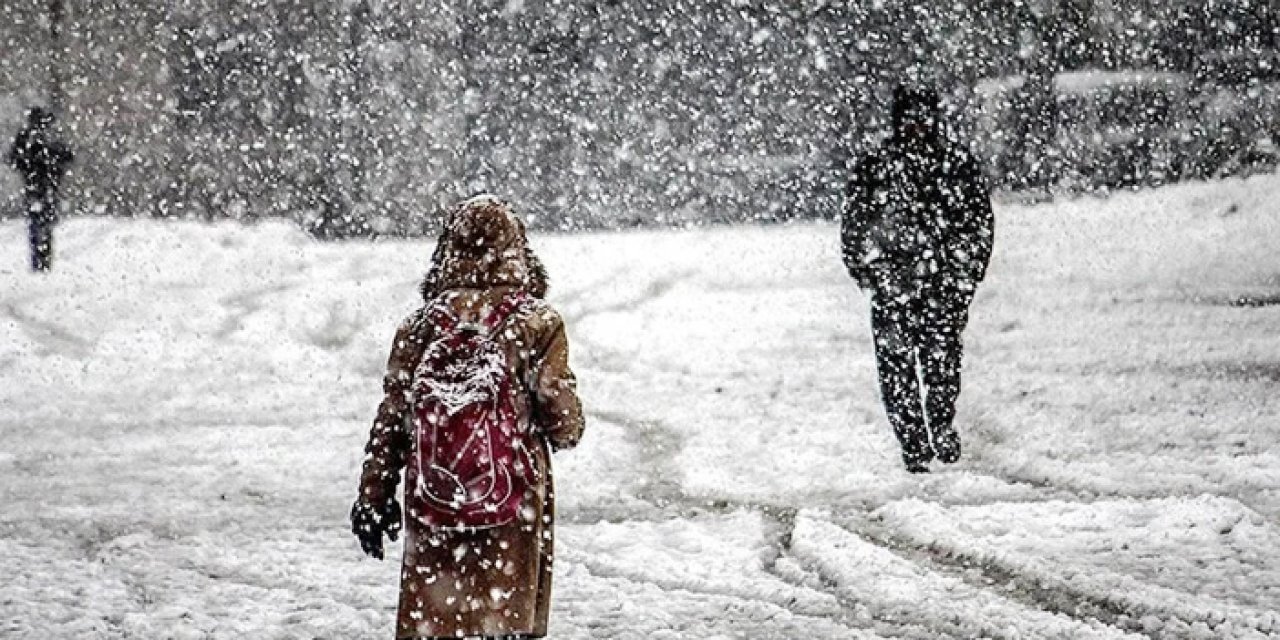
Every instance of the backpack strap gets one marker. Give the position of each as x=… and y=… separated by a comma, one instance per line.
x=511, y=304
x=441, y=317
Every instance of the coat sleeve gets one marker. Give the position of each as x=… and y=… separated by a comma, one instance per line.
x=387, y=449
x=65, y=156
x=855, y=221
x=18, y=153
x=557, y=411
x=969, y=248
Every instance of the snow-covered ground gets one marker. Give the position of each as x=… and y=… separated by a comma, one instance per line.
x=182, y=410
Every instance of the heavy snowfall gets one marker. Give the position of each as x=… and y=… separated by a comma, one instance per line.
x=243, y=196
x=185, y=404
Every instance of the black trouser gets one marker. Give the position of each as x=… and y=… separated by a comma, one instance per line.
x=42, y=214
x=917, y=325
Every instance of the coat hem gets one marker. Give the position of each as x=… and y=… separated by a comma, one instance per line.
x=516, y=636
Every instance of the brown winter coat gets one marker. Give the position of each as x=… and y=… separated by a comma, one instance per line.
x=495, y=581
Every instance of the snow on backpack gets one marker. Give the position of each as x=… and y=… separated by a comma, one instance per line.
x=470, y=466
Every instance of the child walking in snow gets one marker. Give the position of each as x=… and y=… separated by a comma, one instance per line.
x=478, y=392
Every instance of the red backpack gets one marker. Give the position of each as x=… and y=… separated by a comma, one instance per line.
x=470, y=466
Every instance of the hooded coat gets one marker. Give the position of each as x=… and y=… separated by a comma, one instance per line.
x=497, y=581
x=917, y=233
x=917, y=211
x=39, y=156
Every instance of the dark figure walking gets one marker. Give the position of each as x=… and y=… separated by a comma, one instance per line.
x=917, y=233
x=42, y=160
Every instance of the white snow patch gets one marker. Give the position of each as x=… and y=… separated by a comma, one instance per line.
x=182, y=408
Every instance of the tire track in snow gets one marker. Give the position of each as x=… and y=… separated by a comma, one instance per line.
x=659, y=445
x=244, y=304
x=783, y=563
x=603, y=357
x=792, y=567
x=1123, y=610
x=571, y=299
x=839, y=619
x=1050, y=593
x=985, y=573
x=1070, y=489
x=48, y=335
x=660, y=485
x=652, y=291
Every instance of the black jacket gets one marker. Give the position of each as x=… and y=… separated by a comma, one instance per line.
x=41, y=159
x=926, y=215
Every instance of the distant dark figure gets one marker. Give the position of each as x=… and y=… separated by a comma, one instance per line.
x=917, y=234
x=42, y=160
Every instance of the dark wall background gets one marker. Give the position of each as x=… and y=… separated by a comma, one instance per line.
x=367, y=116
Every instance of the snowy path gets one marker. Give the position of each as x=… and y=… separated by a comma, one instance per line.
x=183, y=408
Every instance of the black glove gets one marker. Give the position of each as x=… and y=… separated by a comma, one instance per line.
x=369, y=523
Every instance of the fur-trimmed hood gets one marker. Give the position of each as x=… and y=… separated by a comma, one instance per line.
x=483, y=245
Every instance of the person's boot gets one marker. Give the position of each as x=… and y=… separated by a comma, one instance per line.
x=946, y=443
x=918, y=461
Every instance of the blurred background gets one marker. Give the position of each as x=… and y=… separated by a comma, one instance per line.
x=365, y=117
